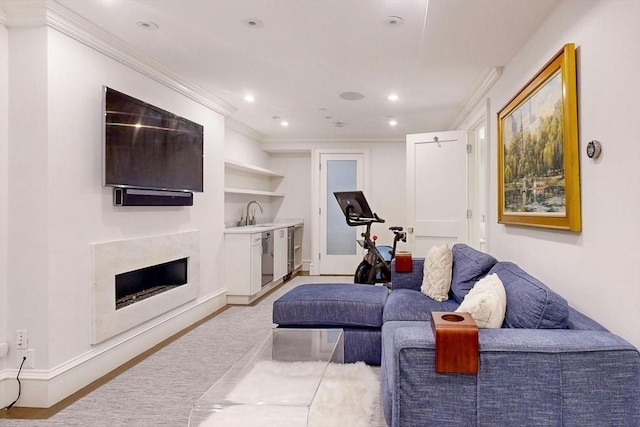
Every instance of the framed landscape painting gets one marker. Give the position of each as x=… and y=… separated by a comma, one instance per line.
x=538, y=162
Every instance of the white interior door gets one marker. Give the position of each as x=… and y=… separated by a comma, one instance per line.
x=436, y=190
x=339, y=251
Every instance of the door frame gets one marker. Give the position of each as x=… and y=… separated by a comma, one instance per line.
x=474, y=162
x=314, y=267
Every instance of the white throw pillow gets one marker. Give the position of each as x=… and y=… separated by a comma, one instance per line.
x=486, y=302
x=436, y=280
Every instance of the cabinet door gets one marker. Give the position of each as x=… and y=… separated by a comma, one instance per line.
x=255, y=278
x=279, y=253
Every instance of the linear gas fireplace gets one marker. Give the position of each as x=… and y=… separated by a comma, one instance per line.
x=137, y=285
x=135, y=281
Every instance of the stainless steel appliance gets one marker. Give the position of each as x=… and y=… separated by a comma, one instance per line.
x=290, y=250
x=267, y=257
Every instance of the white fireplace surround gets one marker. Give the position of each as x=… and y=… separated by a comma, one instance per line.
x=112, y=258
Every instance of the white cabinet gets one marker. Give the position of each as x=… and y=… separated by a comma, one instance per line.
x=255, y=278
x=279, y=253
x=244, y=258
x=243, y=263
x=297, y=247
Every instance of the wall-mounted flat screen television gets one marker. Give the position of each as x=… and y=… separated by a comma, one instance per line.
x=150, y=148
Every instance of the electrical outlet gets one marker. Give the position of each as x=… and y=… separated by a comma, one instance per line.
x=30, y=354
x=22, y=339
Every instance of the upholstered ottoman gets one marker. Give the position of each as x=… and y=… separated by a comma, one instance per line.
x=354, y=308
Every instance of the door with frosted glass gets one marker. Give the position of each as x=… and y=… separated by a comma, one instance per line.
x=339, y=251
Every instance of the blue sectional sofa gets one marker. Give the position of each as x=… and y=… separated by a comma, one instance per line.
x=548, y=365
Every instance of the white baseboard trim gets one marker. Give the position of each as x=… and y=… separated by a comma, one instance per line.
x=45, y=388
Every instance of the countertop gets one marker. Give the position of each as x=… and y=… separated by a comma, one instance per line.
x=259, y=228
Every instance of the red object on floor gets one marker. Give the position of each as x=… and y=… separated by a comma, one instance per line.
x=404, y=262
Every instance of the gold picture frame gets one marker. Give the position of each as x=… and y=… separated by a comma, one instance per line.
x=538, y=162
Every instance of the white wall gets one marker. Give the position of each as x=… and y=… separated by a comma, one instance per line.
x=243, y=148
x=388, y=189
x=597, y=270
x=296, y=186
x=27, y=200
x=57, y=205
x=4, y=167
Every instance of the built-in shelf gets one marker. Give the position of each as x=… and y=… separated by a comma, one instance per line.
x=232, y=164
x=243, y=178
x=253, y=192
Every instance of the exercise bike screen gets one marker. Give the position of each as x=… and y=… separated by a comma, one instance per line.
x=356, y=200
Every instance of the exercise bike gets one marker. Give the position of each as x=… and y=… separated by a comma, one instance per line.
x=376, y=262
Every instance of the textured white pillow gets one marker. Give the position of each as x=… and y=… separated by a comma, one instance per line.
x=486, y=302
x=436, y=280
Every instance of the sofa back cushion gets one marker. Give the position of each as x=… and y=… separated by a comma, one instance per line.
x=436, y=280
x=530, y=304
x=469, y=266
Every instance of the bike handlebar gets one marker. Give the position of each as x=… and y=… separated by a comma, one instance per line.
x=356, y=221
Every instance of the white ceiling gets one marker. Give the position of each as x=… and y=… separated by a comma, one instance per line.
x=307, y=52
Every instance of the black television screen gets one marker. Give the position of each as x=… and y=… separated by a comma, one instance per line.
x=148, y=147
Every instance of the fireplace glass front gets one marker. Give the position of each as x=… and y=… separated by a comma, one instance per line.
x=137, y=285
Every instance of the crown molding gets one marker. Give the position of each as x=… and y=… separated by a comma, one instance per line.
x=329, y=140
x=39, y=13
x=84, y=31
x=23, y=14
x=486, y=81
x=292, y=145
x=242, y=128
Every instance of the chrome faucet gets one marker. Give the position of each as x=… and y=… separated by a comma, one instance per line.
x=246, y=220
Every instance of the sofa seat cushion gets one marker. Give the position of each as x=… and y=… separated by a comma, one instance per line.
x=530, y=303
x=410, y=305
x=331, y=304
x=469, y=266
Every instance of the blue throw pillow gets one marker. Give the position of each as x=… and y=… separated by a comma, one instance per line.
x=469, y=266
x=530, y=303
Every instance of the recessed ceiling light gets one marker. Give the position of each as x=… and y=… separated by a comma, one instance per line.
x=253, y=23
x=392, y=97
x=147, y=25
x=351, y=96
x=393, y=122
x=249, y=98
x=284, y=123
x=394, y=21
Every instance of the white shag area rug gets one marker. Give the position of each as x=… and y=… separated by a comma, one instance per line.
x=345, y=397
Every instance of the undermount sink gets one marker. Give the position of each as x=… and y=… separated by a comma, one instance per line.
x=264, y=225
